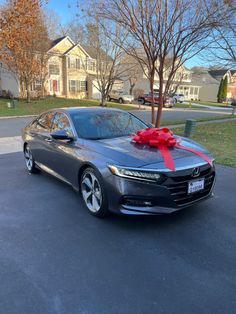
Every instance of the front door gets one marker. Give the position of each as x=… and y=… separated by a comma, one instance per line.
x=55, y=86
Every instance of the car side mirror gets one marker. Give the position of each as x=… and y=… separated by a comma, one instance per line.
x=61, y=135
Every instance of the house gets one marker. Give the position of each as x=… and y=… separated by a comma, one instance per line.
x=209, y=85
x=209, y=82
x=71, y=71
x=182, y=82
x=9, y=85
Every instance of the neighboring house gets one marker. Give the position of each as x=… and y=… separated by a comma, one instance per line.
x=8, y=82
x=209, y=82
x=231, y=75
x=209, y=86
x=182, y=84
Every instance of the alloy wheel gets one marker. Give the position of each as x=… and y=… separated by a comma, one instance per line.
x=91, y=192
x=28, y=159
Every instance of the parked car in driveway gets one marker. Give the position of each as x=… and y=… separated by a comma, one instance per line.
x=178, y=98
x=120, y=96
x=91, y=149
x=147, y=99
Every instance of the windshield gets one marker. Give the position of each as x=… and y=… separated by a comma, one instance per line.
x=102, y=125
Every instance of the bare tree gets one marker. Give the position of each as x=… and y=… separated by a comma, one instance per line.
x=106, y=58
x=163, y=34
x=132, y=71
x=222, y=50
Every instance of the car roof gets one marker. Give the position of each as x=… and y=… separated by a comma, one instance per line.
x=72, y=110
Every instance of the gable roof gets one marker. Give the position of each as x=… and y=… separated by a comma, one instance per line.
x=55, y=42
x=92, y=52
x=201, y=76
x=77, y=45
x=218, y=74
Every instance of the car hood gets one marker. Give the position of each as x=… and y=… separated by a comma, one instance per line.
x=127, y=153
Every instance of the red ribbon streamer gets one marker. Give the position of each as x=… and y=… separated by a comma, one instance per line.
x=163, y=139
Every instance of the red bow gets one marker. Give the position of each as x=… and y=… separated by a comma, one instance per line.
x=163, y=139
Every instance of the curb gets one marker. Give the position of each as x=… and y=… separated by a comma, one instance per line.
x=14, y=117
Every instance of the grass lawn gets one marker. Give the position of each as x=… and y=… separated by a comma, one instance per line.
x=172, y=122
x=219, y=138
x=178, y=105
x=209, y=103
x=38, y=106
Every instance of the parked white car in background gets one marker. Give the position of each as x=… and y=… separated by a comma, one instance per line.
x=120, y=97
x=178, y=98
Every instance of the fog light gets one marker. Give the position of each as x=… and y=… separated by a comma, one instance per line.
x=137, y=202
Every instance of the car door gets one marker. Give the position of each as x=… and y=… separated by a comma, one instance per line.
x=63, y=159
x=40, y=133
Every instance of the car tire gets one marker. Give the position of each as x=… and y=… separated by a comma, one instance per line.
x=108, y=98
x=142, y=101
x=93, y=193
x=29, y=160
x=121, y=101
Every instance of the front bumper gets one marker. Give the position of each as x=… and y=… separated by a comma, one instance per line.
x=128, y=196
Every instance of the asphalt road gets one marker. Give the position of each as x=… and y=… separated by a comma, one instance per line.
x=57, y=258
x=12, y=127
x=183, y=114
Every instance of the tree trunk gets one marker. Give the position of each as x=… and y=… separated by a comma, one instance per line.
x=28, y=92
x=103, y=101
x=152, y=99
x=160, y=105
x=131, y=88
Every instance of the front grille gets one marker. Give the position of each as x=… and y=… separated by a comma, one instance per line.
x=178, y=186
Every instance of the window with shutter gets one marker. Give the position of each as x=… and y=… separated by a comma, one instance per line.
x=83, y=86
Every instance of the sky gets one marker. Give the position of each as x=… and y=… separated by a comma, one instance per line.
x=63, y=8
x=66, y=9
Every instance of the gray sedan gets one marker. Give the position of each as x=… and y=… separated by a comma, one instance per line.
x=92, y=150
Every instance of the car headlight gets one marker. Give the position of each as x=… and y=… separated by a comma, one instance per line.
x=151, y=176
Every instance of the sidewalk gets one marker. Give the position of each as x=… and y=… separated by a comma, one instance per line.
x=10, y=145
x=201, y=123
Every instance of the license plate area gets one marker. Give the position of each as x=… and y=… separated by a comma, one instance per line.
x=195, y=186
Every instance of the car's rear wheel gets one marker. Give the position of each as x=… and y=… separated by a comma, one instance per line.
x=108, y=98
x=121, y=101
x=93, y=193
x=29, y=160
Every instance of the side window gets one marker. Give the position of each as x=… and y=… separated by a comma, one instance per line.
x=44, y=122
x=61, y=122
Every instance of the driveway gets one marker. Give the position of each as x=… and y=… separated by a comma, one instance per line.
x=57, y=258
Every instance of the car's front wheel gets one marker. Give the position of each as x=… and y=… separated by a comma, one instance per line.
x=93, y=193
x=29, y=160
x=142, y=101
x=121, y=101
